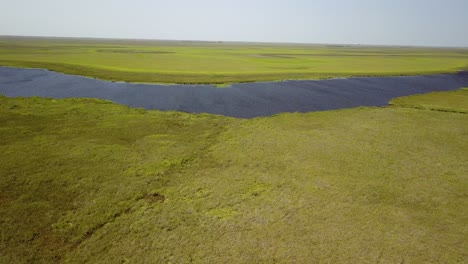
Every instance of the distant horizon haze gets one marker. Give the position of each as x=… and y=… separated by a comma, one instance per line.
x=229, y=41
x=429, y=23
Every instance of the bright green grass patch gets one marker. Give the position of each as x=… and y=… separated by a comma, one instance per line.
x=220, y=63
x=89, y=181
x=455, y=101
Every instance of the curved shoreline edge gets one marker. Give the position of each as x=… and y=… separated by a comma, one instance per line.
x=105, y=74
x=243, y=100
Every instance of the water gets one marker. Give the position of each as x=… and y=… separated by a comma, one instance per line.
x=244, y=100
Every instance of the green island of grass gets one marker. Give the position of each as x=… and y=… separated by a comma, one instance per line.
x=222, y=63
x=90, y=181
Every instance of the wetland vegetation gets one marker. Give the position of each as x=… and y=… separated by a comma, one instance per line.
x=86, y=180
x=91, y=181
x=191, y=62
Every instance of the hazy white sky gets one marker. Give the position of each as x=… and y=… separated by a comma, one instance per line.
x=387, y=22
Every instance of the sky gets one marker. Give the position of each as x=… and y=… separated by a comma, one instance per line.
x=376, y=22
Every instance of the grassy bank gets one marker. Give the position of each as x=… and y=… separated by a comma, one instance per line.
x=221, y=63
x=85, y=180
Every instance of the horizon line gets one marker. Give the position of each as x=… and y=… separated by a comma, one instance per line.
x=237, y=41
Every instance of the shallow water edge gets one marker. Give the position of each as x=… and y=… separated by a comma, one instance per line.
x=244, y=100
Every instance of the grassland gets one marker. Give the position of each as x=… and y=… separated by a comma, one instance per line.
x=89, y=181
x=221, y=63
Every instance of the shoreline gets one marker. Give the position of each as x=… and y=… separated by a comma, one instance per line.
x=229, y=84
x=242, y=100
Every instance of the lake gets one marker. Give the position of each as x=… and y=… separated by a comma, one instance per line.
x=245, y=100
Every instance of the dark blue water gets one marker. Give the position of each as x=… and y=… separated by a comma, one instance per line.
x=240, y=100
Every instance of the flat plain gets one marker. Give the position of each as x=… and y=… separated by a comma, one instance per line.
x=222, y=62
x=89, y=181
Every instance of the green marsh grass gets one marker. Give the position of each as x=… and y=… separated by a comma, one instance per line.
x=222, y=63
x=89, y=181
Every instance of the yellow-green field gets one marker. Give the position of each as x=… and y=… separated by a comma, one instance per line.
x=220, y=63
x=89, y=181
